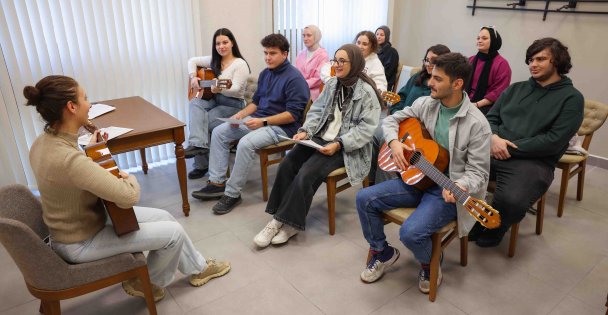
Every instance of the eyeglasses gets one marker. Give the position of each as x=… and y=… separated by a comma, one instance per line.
x=338, y=62
x=428, y=62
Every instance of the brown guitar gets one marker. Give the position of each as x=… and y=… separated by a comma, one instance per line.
x=391, y=98
x=123, y=220
x=207, y=80
x=426, y=165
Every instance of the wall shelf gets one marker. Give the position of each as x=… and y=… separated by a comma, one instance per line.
x=520, y=5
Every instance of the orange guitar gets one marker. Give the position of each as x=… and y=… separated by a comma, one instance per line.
x=123, y=220
x=426, y=165
x=391, y=98
x=208, y=80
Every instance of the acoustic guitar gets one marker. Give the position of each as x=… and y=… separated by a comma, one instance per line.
x=426, y=164
x=391, y=98
x=207, y=80
x=123, y=220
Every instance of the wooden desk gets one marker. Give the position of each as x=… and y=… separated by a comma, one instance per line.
x=151, y=126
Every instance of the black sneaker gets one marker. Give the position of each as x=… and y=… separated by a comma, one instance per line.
x=192, y=151
x=491, y=238
x=477, y=231
x=196, y=173
x=226, y=204
x=211, y=191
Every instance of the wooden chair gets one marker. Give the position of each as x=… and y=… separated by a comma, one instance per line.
x=571, y=164
x=333, y=189
x=280, y=148
x=540, y=214
x=47, y=276
x=439, y=239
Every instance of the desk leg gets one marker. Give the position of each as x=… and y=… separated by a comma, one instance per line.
x=144, y=163
x=181, y=175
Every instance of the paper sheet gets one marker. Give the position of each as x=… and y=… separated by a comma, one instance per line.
x=99, y=109
x=308, y=143
x=112, y=132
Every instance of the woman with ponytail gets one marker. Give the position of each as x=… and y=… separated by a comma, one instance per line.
x=491, y=72
x=342, y=121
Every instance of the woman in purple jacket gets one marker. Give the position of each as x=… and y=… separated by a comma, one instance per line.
x=492, y=73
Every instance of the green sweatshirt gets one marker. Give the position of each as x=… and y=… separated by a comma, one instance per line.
x=539, y=120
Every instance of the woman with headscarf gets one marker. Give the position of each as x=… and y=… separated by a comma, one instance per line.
x=310, y=60
x=388, y=55
x=342, y=121
x=491, y=72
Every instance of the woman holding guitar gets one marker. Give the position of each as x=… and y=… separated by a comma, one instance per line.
x=342, y=121
x=227, y=65
x=71, y=186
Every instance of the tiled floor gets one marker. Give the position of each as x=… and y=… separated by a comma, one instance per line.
x=562, y=271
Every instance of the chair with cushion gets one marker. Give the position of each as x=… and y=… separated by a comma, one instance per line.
x=572, y=164
x=404, y=74
x=47, y=276
x=440, y=240
x=540, y=214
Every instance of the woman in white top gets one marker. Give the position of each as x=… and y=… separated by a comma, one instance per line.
x=311, y=58
x=367, y=42
x=226, y=62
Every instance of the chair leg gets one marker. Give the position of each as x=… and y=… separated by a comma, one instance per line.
x=264, y=171
x=464, y=250
x=144, y=277
x=50, y=307
x=366, y=182
x=144, y=163
x=513, y=240
x=581, y=180
x=331, y=203
x=540, y=214
x=435, y=254
x=562, y=190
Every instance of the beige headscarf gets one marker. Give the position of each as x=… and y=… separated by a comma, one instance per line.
x=316, y=32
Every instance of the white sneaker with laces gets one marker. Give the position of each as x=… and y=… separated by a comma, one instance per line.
x=286, y=232
x=424, y=280
x=375, y=268
x=263, y=238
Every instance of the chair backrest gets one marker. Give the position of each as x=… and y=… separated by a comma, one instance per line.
x=22, y=231
x=250, y=88
x=595, y=116
x=405, y=73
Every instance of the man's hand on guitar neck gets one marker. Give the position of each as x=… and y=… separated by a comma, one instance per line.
x=194, y=83
x=398, y=149
x=448, y=197
x=500, y=146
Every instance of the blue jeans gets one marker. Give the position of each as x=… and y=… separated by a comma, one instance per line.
x=204, y=116
x=431, y=214
x=249, y=142
x=170, y=247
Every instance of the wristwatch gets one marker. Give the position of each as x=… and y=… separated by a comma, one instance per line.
x=265, y=122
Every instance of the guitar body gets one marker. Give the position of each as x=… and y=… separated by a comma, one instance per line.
x=206, y=74
x=123, y=220
x=419, y=139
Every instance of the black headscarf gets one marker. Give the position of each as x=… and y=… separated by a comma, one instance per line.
x=482, y=83
x=357, y=65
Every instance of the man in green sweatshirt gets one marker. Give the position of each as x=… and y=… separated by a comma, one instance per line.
x=531, y=123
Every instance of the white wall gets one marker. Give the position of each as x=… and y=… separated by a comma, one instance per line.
x=249, y=21
x=420, y=24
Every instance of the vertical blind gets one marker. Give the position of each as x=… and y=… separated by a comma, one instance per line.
x=113, y=48
x=339, y=20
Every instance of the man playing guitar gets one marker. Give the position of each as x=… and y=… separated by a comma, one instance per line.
x=455, y=124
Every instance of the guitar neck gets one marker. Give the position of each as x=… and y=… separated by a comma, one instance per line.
x=207, y=83
x=438, y=177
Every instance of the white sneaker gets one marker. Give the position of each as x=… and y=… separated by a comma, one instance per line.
x=424, y=280
x=284, y=234
x=375, y=268
x=263, y=238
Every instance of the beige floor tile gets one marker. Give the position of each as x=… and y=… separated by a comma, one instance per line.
x=571, y=305
x=594, y=287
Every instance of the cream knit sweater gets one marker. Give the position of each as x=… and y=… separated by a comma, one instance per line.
x=70, y=184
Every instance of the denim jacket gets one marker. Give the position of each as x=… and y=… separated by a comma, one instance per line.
x=469, y=138
x=359, y=120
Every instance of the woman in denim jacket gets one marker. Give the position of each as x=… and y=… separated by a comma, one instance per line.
x=342, y=121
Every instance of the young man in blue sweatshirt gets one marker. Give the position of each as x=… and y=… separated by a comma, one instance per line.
x=276, y=109
x=531, y=122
